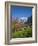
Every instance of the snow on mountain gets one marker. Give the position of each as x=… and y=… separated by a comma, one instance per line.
x=23, y=19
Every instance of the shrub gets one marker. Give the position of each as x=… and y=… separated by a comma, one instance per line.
x=24, y=32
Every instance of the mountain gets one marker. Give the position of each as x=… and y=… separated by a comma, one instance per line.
x=23, y=19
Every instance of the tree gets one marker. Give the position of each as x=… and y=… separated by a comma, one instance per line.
x=29, y=20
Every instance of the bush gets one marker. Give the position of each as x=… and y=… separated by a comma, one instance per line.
x=25, y=32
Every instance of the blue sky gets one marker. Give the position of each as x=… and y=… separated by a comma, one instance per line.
x=19, y=11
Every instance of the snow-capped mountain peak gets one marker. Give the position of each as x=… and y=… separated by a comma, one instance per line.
x=23, y=19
